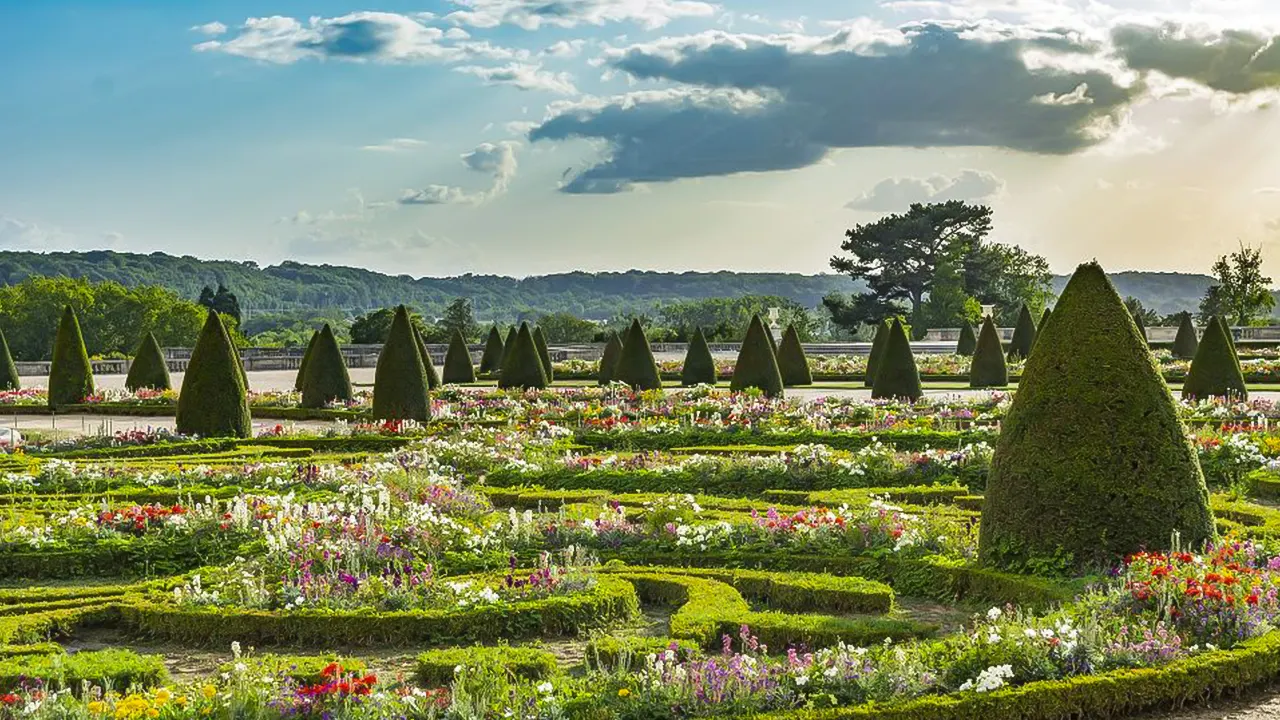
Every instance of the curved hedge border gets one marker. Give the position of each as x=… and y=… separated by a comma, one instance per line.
x=435, y=668
x=906, y=440
x=790, y=591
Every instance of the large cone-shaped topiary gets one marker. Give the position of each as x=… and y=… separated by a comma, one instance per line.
x=609, y=359
x=540, y=341
x=792, y=363
x=429, y=367
x=1091, y=462
x=636, y=366
x=699, y=365
x=400, y=385
x=1142, y=327
x=148, y=369
x=213, y=402
x=457, y=361
x=1044, y=320
x=877, y=351
x=522, y=367
x=988, y=369
x=1215, y=371
x=773, y=342
x=507, y=344
x=491, y=360
x=8, y=371
x=1185, y=342
x=968, y=341
x=327, y=379
x=757, y=365
x=897, y=376
x=1024, y=336
x=71, y=374
x=306, y=358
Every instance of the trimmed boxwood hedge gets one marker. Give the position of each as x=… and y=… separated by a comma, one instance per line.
x=306, y=358
x=457, y=361
x=699, y=366
x=149, y=368
x=1185, y=343
x=115, y=668
x=544, y=355
x=326, y=378
x=609, y=359
x=968, y=341
x=491, y=360
x=757, y=365
x=897, y=376
x=70, y=373
x=213, y=402
x=400, y=384
x=793, y=591
x=436, y=668
x=792, y=363
x=1215, y=371
x=989, y=369
x=522, y=368
x=636, y=366
x=877, y=350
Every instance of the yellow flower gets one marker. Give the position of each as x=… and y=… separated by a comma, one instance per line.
x=97, y=706
x=208, y=691
x=624, y=692
x=163, y=696
x=181, y=701
x=153, y=713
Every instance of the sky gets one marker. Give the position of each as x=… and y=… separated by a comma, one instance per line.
x=523, y=137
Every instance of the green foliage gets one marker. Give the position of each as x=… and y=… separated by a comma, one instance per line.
x=327, y=379
x=522, y=368
x=722, y=318
x=1092, y=461
x=9, y=379
x=115, y=668
x=303, y=669
x=544, y=355
x=213, y=402
x=1142, y=327
x=1241, y=292
x=699, y=366
x=306, y=357
x=71, y=374
x=149, y=369
x=508, y=344
x=459, y=317
x=1215, y=371
x=988, y=369
x=609, y=359
x=428, y=366
x=968, y=341
x=636, y=366
x=400, y=385
x=877, y=352
x=757, y=365
x=221, y=301
x=491, y=360
x=792, y=363
x=897, y=376
x=563, y=327
x=1185, y=343
x=457, y=362
x=436, y=667
x=1024, y=336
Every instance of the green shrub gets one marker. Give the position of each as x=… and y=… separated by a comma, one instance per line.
x=457, y=361
x=1215, y=371
x=636, y=366
x=989, y=369
x=326, y=377
x=544, y=355
x=897, y=376
x=877, y=351
x=116, y=668
x=1024, y=336
x=699, y=366
x=1092, y=461
x=607, y=653
x=522, y=368
x=303, y=669
x=491, y=360
x=213, y=402
x=1044, y=319
x=436, y=667
x=149, y=369
x=70, y=374
x=428, y=367
x=792, y=363
x=1185, y=342
x=757, y=364
x=1142, y=327
x=509, y=343
x=968, y=341
x=794, y=591
x=400, y=385
x=306, y=357
x=773, y=342
x=609, y=360
x=8, y=371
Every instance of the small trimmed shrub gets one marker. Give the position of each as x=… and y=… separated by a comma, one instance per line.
x=968, y=341
x=1215, y=371
x=436, y=667
x=636, y=366
x=491, y=360
x=544, y=355
x=115, y=668
x=757, y=365
x=8, y=371
x=306, y=357
x=1024, y=336
x=792, y=363
x=70, y=374
x=213, y=402
x=522, y=367
x=327, y=378
x=429, y=367
x=1185, y=342
x=509, y=343
x=877, y=351
x=400, y=385
x=897, y=376
x=609, y=360
x=457, y=361
x=699, y=365
x=148, y=369
x=989, y=369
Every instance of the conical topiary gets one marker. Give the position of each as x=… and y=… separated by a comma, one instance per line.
x=400, y=385
x=306, y=357
x=507, y=344
x=988, y=369
x=71, y=373
x=8, y=371
x=428, y=366
x=897, y=376
x=792, y=363
x=757, y=364
x=968, y=341
x=1024, y=336
x=522, y=367
x=457, y=361
x=540, y=341
x=877, y=350
x=1215, y=371
x=773, y=342
x=213, y=402
x=491, y=360
x=327, y=379
x=149, y=370
x=1185, y=342
x=699, y=365
x=1091, y=462
x=636, y=366
x=1142, y=327
x=1044, y=320
x=609, y=360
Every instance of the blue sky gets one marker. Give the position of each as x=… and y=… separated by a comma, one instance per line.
x=530, y=136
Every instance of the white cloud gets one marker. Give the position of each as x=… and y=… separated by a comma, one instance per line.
x=439, y=195
x=212, y=29
x=1079, y=96
x=533, y=14
x=520, y=127
x=395, y=145
x=495, y=159
x=896, y=194
x=565, y=48
x=524, y=77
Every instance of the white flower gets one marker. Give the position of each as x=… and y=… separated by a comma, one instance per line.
x=546, y=688
x=994, y=613
x=802, y=680
x=235, y=648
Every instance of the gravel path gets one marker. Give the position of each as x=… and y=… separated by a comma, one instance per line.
x=1263, y=704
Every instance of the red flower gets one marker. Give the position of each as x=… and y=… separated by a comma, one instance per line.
x=9, y=699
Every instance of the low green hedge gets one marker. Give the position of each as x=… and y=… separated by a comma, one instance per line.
x=118, y=669
x=148, y=555
x=614, y=653
x=304, y=669
x=436, y=667
x=356, y=443
x=38, y=627
x=791, y=591
x=44, y=648
x=906, y=440
x=1264, y=484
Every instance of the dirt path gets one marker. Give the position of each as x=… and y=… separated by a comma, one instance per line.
x=1261, y=704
